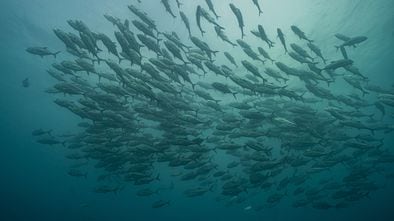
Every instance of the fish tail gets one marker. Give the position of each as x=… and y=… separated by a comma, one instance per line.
x=234, y=95
x=50, y=133
x=120, y=59
x=214, y=52
x=56, y=53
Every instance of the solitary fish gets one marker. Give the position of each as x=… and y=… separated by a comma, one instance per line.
x=41, y=51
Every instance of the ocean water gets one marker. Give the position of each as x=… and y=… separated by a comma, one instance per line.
x=36, y=184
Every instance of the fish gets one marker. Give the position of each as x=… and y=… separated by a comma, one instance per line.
x=252, y=69
x=265, y=54
x=178, y=3
x=317, y=51
x=198, y=19
x=300, y=33
x=252, y=54
x=239, y=17
x=40, y=132
x=143, y=16
x=42, y=51
x=281, y=37
x=211, y=7
x=344, y=53
x=160, y=203
x=222, y=35
x=25, y=82
x=256, y=3
x=300, y=51
x=353, y=42
x=185, y=21
x=208, y=17
x=77, y=173
x=223, y=88
x=167, y=6
x=264, y=36
x=202, y=45
x=342, y=63
x=230, y=58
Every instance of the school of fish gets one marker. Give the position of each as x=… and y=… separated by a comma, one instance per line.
x=266, y=130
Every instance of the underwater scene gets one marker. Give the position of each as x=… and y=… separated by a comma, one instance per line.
x=197, y=110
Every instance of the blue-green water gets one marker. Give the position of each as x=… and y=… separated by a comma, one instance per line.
x=35, y=183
